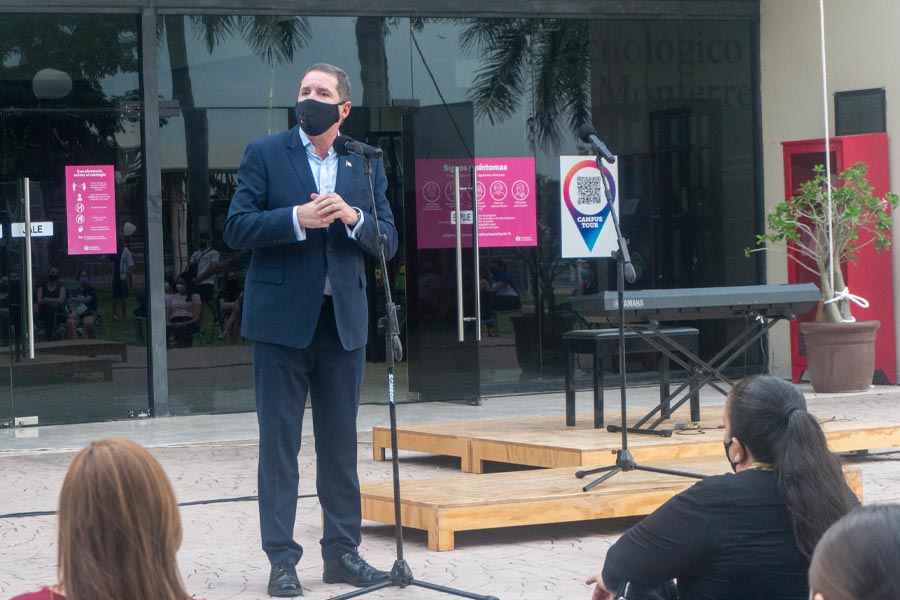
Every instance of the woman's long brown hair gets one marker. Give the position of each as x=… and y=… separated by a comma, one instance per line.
x=119, y=527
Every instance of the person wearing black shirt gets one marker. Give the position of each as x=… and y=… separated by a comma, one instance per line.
x=5, y=321
x=747, y=535
x=51, y=303
x=84, y=308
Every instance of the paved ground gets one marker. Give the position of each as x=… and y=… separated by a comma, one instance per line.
x=214, y=457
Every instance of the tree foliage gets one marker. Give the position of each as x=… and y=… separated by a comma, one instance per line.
x=546, y=57
x=859, y=218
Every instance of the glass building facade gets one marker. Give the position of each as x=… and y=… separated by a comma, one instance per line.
x=167, y=98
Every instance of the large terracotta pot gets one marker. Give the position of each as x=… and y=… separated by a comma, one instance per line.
x=840, y=356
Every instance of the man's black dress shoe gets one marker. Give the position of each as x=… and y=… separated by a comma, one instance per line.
x=283, y=581
x=351, y=568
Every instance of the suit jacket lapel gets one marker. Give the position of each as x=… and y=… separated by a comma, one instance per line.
x=341, y=185
x=300, y=162
x=344, y=170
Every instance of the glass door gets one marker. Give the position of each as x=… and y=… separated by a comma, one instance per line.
x=20, y=316
x=72, y=352
x=442, y=253
x=10, y=302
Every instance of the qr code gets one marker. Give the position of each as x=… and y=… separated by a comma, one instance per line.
x=590, y=190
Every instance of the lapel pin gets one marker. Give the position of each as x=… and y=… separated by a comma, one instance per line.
x=349, y=164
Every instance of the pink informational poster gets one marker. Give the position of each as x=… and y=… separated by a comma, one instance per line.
x=507, y=206
x=91, y=209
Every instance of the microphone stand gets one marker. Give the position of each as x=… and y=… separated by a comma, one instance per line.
x=624, y=270
x=401, y=575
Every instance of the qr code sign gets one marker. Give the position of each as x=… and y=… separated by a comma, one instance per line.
x=590, y=190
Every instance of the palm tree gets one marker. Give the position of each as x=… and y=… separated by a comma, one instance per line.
x=273, y=39
x=80, y=122
x=373, y=64
x=370, y=34
x=86, y=50
x=547, y=57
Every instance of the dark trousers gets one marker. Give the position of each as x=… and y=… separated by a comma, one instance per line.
x=333, y=378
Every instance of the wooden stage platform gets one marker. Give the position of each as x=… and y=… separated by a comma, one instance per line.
x=469, y=502
x=553, y=495
x=547, y=442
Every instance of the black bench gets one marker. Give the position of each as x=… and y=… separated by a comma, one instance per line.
x=603, y=342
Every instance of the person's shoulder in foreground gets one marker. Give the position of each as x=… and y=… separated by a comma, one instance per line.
x=42, y=594
x=46, y=593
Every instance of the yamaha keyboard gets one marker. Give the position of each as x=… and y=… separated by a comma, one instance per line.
x=646, y=306
x=762, y=305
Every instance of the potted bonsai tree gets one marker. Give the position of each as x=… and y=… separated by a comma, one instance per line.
x=840, y=351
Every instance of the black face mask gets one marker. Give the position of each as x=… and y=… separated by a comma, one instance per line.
x=4, y=288
x=728, y=457
x=53, y=278
x=316, y=117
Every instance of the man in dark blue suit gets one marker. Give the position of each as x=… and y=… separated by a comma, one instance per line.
x=306, y=214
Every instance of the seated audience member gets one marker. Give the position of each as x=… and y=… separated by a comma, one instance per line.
x=498, y=293
x=51, y=303
x=500, y=288
x=4, y=312
x=168, y=289
x=859, y=557
x=183, y=312
x=123, y=265
x=229, y=306
x=744, y=535
x=119, y=528
x=203, y=267
x=84, y=308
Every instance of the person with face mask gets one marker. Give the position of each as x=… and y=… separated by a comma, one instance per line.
x=84, y=308
x=183, y=308
x=51, y=300
x=306, y=215
x=229, y=306
x=204, y=264
x=5, y=334
x=749, y=534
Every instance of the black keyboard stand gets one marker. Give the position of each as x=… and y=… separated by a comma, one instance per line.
x=702, y=372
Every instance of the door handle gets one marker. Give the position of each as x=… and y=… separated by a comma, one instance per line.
x=28, y=278
x=477, y=268
x=460, y=317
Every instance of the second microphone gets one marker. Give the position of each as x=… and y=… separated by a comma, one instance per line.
x=347, y=145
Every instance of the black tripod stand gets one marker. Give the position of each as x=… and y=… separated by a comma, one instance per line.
x=624, y=270
x=401, y=575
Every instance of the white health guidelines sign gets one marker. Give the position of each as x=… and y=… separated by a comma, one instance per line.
x=585, y=224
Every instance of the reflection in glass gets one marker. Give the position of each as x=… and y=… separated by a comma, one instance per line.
x=68, y=85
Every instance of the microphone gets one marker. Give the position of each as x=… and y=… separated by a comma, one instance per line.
x=397, y=348
x=347, y=145
x=588, y=135
x=393, y=329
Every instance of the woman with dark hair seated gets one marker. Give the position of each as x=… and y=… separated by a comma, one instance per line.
x=859, y=557
x=119, y=528
x=749, y=535
x=183, y=310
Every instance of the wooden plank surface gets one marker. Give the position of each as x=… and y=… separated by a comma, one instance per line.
x=54, y=367
x=83, y=347
x=466, y=502
x=547, y=442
